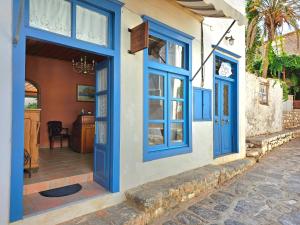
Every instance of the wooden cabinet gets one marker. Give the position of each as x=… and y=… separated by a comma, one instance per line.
x=32, y=118
x=83, y=133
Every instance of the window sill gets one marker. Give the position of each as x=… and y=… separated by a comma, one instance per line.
x=165, y=153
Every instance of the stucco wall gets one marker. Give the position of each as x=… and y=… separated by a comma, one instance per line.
x=52, y=74
x=5, y=106
x=133, y=170
x=262, y=119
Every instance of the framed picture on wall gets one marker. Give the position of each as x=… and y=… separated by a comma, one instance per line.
x=86, y=93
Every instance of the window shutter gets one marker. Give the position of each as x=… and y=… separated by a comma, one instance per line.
x=206, y=105
x=197, y=104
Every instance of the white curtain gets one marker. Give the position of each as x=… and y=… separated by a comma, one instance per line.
x=54, y=16
x=91, y=26
x=175, y=55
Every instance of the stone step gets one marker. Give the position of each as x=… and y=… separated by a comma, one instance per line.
x=156, y=197
x=270, y=141
x=255, y=153
x=56, y=183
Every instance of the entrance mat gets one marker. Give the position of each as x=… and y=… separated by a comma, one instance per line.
x=62, y=191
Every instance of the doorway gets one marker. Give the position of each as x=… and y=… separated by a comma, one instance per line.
x=66, y=123
x=33, y=19
x=225, y=105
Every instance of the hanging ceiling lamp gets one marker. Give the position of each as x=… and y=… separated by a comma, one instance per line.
x=83, y=66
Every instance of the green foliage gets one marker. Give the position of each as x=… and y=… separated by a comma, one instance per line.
x=32, y=106
x=285, y=90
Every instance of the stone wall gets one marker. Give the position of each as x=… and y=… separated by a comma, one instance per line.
x=262, y=119
x=287, y=106
x=291, y=119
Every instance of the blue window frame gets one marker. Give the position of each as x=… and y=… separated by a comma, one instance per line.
x=202, y=104
x=167, y=92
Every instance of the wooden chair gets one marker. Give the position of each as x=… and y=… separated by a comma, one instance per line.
x=56, y=131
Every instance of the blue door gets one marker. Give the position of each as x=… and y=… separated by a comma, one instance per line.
x=223, y=117
x=102, y=125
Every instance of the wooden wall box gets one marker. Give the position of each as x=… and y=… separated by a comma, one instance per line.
x=83, y=133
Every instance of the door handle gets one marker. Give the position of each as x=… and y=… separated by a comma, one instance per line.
x=216, y=121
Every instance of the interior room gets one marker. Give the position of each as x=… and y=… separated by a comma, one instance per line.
x=59, y=123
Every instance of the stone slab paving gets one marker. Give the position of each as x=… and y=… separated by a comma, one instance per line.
x=267, y=194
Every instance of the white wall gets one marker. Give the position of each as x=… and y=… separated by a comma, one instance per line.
x=5, y=105
x=133, y=170
x=269, y=118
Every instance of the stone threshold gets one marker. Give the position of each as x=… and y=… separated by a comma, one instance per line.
x=259, y=146
x=149, y=201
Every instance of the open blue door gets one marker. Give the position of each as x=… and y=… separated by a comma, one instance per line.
x=102, y=126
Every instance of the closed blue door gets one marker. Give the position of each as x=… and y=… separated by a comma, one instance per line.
x=217, y=120
x=102, y=126
x=223, y=117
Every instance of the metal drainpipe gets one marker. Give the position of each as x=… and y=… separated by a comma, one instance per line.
x=202, y=55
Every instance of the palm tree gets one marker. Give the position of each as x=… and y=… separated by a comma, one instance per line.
x=269, y=16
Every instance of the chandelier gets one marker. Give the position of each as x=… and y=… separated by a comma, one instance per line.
x=83, y=66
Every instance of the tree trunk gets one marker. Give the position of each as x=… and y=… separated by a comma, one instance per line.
x=265, y=60
x=284, y=74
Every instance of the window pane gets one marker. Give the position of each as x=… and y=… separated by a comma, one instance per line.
x=156, y=85
x=224, y=67
x=177, y=88
x=176, y=110
x=216, y=99
x=102, y=80
x=225, y=100
x=102, y=132
x=156, y=134
x=91, y=26
x=177, y=132
x=53, y=16
x=175, y=55
x=157, y=49
x=156, y=109
x=102, y=106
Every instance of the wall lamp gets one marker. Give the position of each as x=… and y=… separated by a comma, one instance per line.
x=230, y=39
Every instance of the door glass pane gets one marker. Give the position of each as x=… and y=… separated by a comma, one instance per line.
x=102, y=80
x=91, y=26
x=177, y=88
x=53, y=16
x=177, y=132
x=102, y=132
x=156, y=134
x=157, y=49
x=175, y=55
x=216, y=99
x=102, y=104
x=156, y=109
x=156, y=85
x=176, y=110
x=225, y=101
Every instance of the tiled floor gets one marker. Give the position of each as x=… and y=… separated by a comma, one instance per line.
x=59, y=163
x=35, y=203
x=58, y=168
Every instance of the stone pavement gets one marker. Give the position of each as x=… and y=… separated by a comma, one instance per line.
x=267, y=194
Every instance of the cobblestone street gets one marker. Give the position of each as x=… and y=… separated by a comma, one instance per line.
x=268, y=193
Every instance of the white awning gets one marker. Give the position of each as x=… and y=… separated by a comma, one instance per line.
x=214, y=8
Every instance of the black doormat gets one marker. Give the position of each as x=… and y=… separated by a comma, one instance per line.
x=62, y=191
